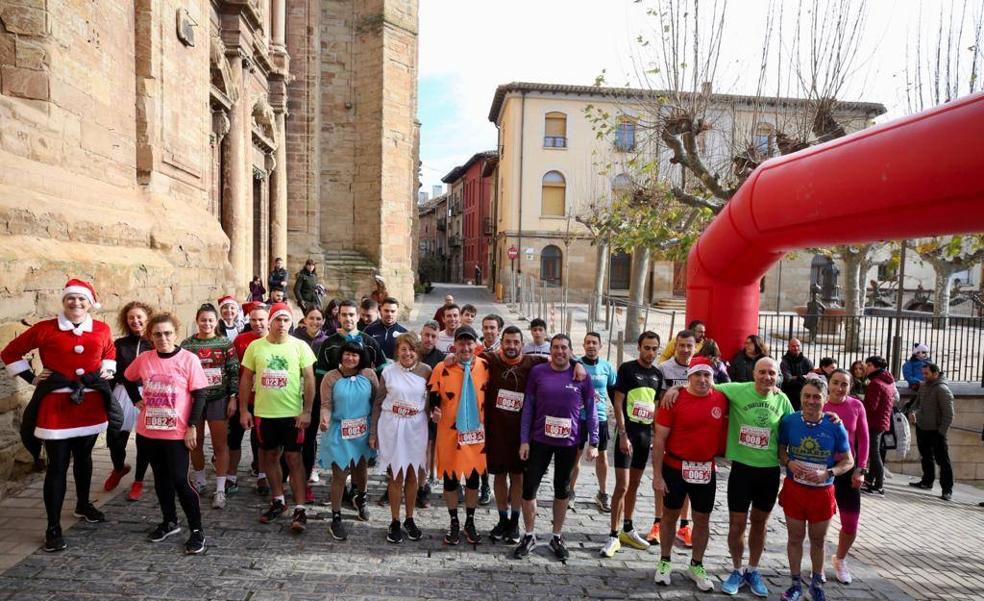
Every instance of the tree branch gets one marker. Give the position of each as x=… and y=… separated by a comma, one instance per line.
x=696, y=201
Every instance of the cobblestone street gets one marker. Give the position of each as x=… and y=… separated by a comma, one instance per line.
x=911, y=546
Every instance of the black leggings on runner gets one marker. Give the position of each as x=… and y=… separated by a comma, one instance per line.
x=471, y=482
x=309, y=452
x=169, y=459
x=117, y=452
x=540, y=455
x=78, y=451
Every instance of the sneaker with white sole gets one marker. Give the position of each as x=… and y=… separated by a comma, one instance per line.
x=663, y=571
x=633, y=539
x=841, y=570
x=755, y=583
x=218, y=500
x=611, y=547
x=732, y=583
x=698, y=574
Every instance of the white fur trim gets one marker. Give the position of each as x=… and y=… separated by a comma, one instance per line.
x=80, y=290
x=46, y=434
x=17, y=367
x=109, y=365
x=67, y=326
x=282, y=312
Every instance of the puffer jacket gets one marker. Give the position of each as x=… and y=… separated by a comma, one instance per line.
x=879, y=398
x=933, y=406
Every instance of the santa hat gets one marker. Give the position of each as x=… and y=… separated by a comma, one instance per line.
x=251, y=306
x=281, y=309
x=698, y=364
x=227, y=300
x=74, y=286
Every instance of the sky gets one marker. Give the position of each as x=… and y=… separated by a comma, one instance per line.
x=468, y=47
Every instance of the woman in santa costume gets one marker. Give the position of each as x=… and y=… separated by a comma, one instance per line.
x=69, y=408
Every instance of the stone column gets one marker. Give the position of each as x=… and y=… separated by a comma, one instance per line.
x=234, y=213
x=278, y=192
x=278, y=18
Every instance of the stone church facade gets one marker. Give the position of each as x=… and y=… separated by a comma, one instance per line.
x=168, y=150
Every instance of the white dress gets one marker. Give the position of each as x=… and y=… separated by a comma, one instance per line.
x=402, y=429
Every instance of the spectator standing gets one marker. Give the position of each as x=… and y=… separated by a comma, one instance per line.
x=859, y=376
x=742, y=368
x=878, y=402
x=278, y=276
x=306, y=285
x=256, y=290
x=912, y=370
x=700, y=332
x=794, y=367
x=932, y=413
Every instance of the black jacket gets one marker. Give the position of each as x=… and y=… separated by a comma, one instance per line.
x=277, y=279
x=127, y=349
x=305, y=284
x=55, y=381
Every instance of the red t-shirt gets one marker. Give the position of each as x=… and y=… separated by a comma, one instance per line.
x=698, y=427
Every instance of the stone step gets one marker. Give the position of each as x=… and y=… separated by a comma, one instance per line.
x=673, y=303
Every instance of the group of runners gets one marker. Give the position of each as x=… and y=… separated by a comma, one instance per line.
x=451, y=402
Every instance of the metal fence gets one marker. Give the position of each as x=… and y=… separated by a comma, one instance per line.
x=956, y=344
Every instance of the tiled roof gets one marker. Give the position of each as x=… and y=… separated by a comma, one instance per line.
x=456, y=173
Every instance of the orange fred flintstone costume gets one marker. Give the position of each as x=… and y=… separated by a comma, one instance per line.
x=71, y=397
x=457, y=396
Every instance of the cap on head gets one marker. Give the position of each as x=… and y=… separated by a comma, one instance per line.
x=465, y=332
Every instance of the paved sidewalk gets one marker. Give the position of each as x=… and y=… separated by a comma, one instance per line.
x=922, y=548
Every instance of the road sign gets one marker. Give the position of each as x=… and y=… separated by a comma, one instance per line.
x=529, y=252
x=513, y=253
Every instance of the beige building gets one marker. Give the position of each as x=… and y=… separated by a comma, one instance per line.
x=553, y=166
x=167, y=150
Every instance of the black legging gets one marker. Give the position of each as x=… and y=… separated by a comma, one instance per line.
x=471, y=482
x=117, y=452
x=310, y=451
x=540, y=456
x=169, y=459
x=876, y=459
x=60, y=453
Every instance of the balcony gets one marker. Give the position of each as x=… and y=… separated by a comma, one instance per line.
x=487, y=226
x=555, y=141
x=454, y=240
x=442, y=224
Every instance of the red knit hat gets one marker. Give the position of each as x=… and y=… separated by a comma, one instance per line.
x=76, y=286
x=280, y=309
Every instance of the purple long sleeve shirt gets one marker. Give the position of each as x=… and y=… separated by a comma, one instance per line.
x=552, y=407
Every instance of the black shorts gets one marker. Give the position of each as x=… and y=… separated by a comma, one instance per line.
x=277, y=433
x=677, y=489
x=602, y=436
x=757, y=487
x=536, y=467
x=641, y=438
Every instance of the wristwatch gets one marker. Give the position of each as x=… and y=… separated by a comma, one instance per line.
x=830, y=473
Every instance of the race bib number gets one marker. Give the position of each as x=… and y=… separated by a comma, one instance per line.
x=557, y=427
x=509, y=400
x=354, y=428
x=754, y=438
x=643, y=411
x=472, y=437
x=404, y=408
x=697, y=472
x=160, y=419
x=213, y=375
x=813, y=467
x=274, y=378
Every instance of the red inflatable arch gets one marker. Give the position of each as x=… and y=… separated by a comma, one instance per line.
x=914, y=177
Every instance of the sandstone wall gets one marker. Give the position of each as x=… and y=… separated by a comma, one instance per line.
x=104, y=167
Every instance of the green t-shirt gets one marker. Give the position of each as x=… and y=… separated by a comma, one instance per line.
x=277, y=380
x=753, y=423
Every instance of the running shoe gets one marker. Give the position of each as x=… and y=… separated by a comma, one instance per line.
x=525, y=546
x=571, y=496
x=921, y=485
x=601, y=500
x=871, y=490
x=114, y=478
x=201, y=486
x=231, y=487
x=484, y=495
x=423, y=496
x=653, y=537
x=559, y=548
x=413, y=532
x=218, y=500
x=755, y=583
x=817, y=593
x=471, y=533
x=734, y=582
x=699, y=575
x=361, y=506
x=663, y=571
x=136, y=489
x=337, y=529
x=299, y=522
x=277, y=508
x=89, y=513
x=947, y=495
x=315, y=477
x=512, y=534
x=195, y=543
x=309, y=495
x=841, y=570
x=793, y=593
x=611, y=547
x=53, y=539
x=632, y=539
x=163, y=530
x=395, y=534
x=499, y=531
x=686, y=535
x=262, y=487
x=453, y=535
